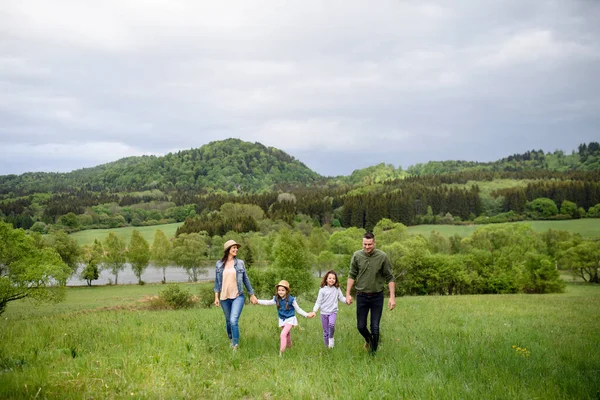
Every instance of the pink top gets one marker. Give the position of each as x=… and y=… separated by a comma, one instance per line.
x=229, y=289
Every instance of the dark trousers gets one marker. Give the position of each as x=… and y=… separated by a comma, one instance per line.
x=366, y=303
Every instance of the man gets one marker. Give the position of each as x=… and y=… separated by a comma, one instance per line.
x=370, y=269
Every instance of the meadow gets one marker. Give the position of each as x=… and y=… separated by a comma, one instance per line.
x=588, y=227
x=104, y=342
x=87, y=236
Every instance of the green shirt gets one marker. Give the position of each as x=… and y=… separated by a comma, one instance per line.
x=370, y=271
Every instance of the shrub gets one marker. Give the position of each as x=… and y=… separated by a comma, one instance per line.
x=206, y=295
x=542, y=207
x=594, y=211
x=176, y=297
x=541, y=275
x=263, y=281
x=39, y=227
x=158, y=303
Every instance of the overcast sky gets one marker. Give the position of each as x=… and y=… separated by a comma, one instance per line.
x=339, y=85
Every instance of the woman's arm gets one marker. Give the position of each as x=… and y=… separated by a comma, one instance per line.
x=247, y=283
x=217, y=288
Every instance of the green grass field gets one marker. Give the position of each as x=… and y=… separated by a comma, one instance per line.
x=102, y=343
x=88, y=236
x=588, y=227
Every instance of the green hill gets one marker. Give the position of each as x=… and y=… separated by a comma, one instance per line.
x=229, y=165
x=587, y=158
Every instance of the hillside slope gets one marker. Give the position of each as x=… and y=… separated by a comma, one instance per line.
x=228, y=165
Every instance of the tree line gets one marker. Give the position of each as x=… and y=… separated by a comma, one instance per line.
x=502, y=258
x=358, y=200
x=412, y=201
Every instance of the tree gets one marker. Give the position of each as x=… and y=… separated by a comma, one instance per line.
x=290, y=254
x=584, y=260
x=27, y=271
x=570, y=208
x=543, y=207
x=67, y=248
x=138, y=254
x=388, y=232
x=556, y=242
x=317, y=243
x=92, y=258
x=237, y=211
x=438, y=243
x=407, y=258
x=115, y=254
x=346, y=241
x=541, y=275
x=69, y=220
x=189, y=251
x=161, y=252
x=594, y=211
x=497, y=253
x=325, y=261
x=39, y=227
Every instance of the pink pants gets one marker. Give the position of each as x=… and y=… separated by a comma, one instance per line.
x=285, y=337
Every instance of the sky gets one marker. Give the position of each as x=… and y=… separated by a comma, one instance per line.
x=339, y=85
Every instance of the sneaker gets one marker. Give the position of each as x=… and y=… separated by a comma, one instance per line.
x=331, y=343
x=234, y=347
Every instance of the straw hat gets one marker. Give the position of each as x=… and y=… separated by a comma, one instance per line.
x=230, y=243
x=283, y=283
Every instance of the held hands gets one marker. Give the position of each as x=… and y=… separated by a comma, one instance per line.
x=311, y=314
x=348, y=299
x=253, y=299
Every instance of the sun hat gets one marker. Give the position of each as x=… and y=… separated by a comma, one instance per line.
x=230, y=243
x=283, y=283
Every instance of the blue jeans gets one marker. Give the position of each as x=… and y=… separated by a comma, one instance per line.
x=232, y=308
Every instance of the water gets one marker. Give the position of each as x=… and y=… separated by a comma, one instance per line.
x=150, y=275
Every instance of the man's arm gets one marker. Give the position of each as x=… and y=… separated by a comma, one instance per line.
x=392, y=301
x=349, y=285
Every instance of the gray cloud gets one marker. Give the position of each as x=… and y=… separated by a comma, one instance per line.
x=340, y=86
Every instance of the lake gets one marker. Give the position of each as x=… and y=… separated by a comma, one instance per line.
x=150, y=275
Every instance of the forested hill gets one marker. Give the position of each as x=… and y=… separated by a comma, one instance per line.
x=587, y=158
x=230, y=165
x=235, y=166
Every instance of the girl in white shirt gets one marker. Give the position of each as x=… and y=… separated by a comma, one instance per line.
x=327, y=301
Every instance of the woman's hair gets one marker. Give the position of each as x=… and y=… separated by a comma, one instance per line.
x=287, y=297
x=324, y=280
x=226, y=253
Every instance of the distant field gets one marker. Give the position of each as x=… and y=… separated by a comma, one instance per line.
x=588, y=227
x=88, y=236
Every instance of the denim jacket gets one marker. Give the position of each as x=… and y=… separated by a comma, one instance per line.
x=241, y=276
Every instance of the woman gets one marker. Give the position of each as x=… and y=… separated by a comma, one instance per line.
x=229, y=293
